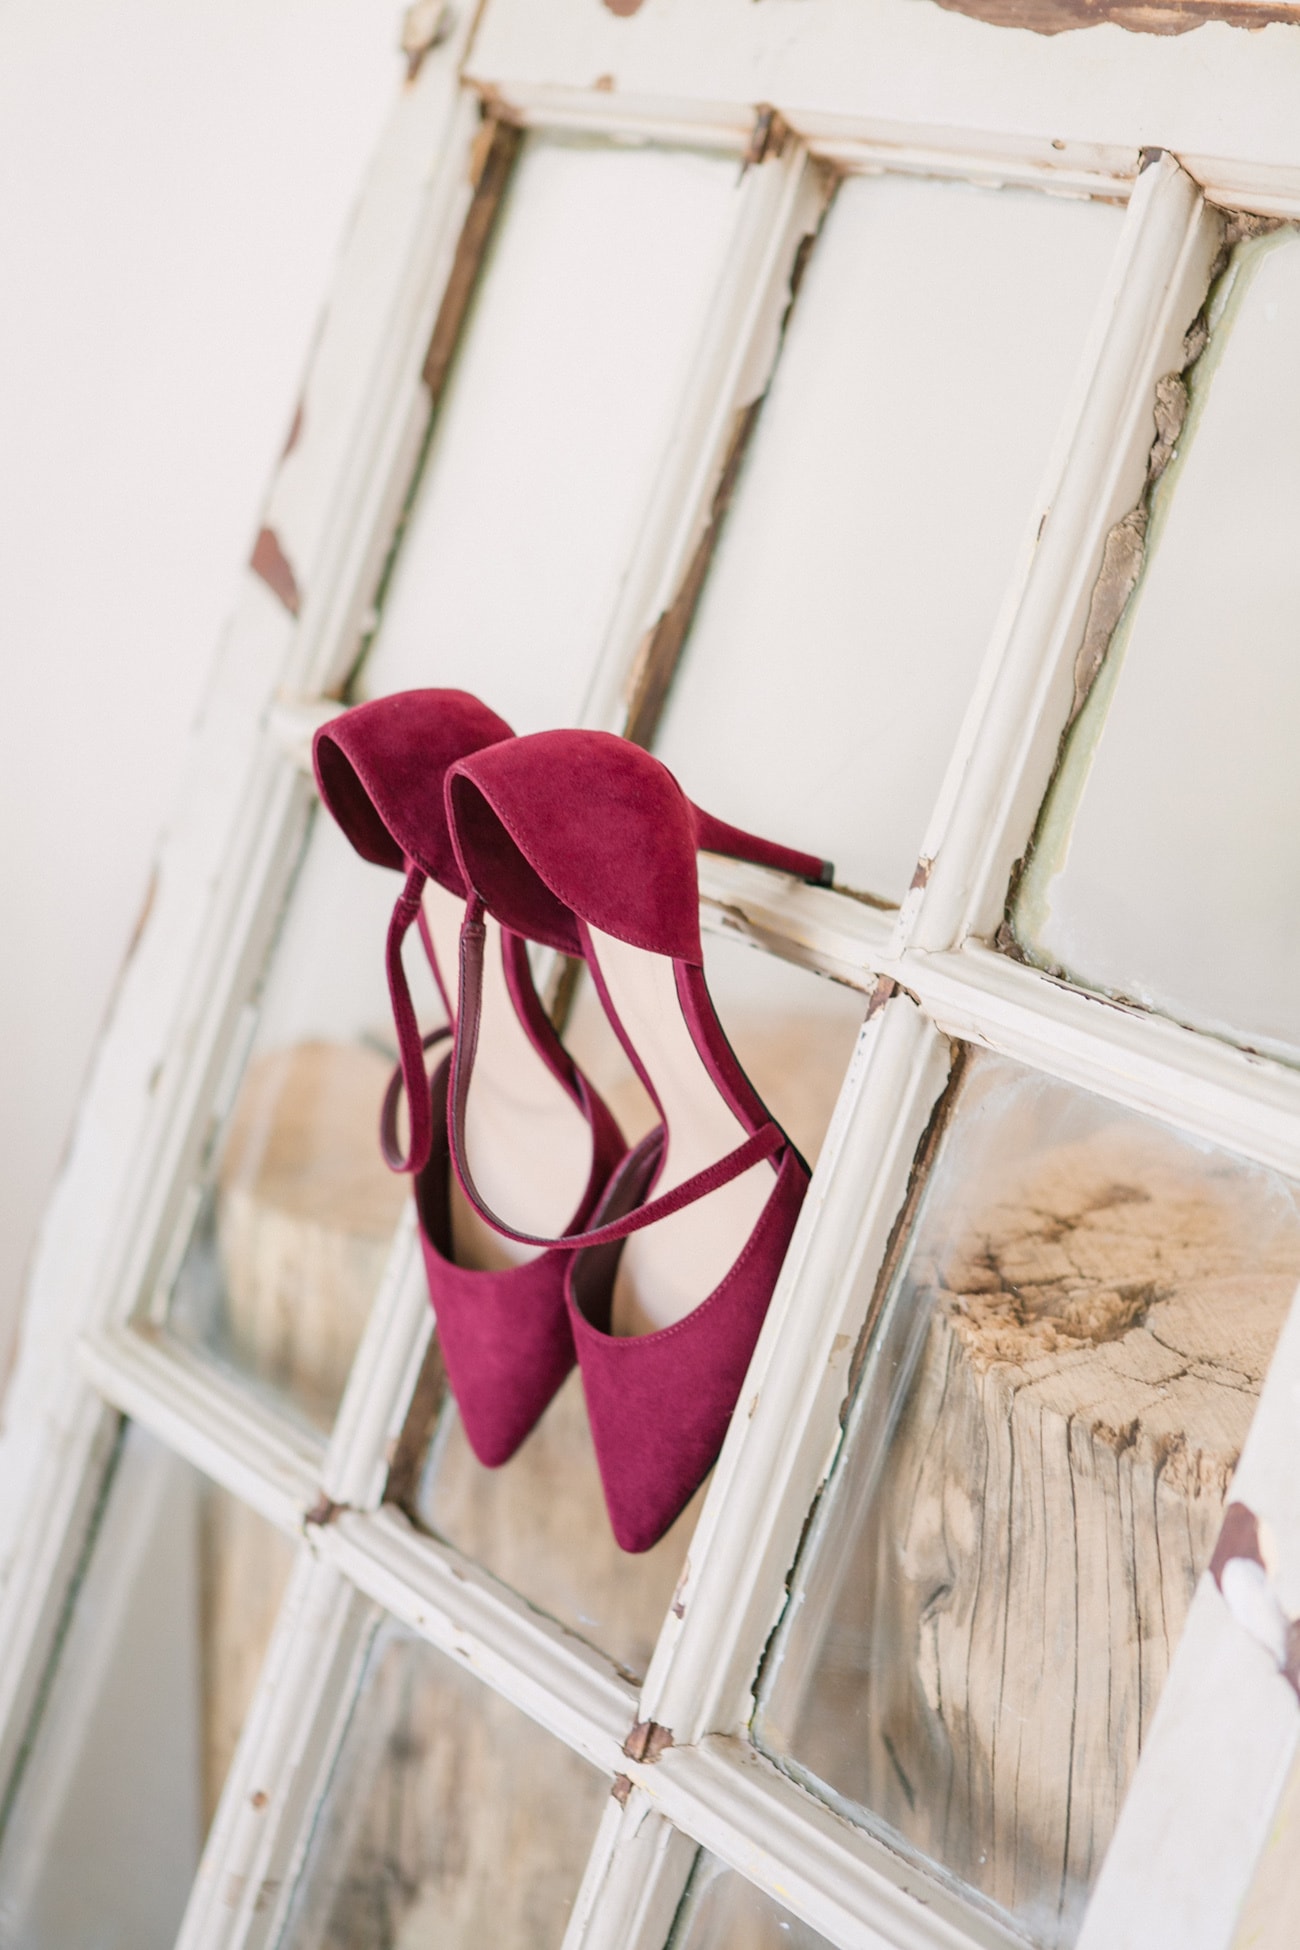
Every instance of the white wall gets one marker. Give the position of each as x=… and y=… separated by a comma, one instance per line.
x=174, y=181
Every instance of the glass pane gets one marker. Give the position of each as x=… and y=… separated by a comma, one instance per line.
x=1167, y=865
x=880, y=512
x=722, y=1911
x=1034, y=1474
x=539, y=1523
x=451, y=1821
x=793, y=1031
x=141, y=1711
x=559, y=409
x=296, y=1223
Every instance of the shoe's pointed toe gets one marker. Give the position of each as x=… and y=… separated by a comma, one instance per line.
x=382, y=768
x=505, y=1336
x=660, y=1404
x=506, y=1345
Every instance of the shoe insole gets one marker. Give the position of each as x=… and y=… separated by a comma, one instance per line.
x=527, y=1142
x=666, y=1271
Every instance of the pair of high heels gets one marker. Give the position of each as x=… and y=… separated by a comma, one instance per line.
x=652, y=1267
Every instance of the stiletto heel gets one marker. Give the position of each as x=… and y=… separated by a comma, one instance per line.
x=588, y=844
x=502, y=1315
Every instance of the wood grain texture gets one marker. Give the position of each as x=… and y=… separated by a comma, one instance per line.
x=1094, y=1328
x=539, y=1524
x=244, y=1565
x=1138, y=16
x=305, y=1217
x=451, y=1819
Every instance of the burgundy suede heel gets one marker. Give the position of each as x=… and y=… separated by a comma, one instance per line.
x=557, y=835
x=505, y=1334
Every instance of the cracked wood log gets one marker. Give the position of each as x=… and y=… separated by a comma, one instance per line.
x=1097, y=1337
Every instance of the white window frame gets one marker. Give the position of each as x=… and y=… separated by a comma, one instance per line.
x=900, y=87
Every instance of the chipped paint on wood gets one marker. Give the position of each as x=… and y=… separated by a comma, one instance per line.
x=1242, y=1566
x=623, y=9
x=425, y=25
x=647, y=1742
x=270, y=562
x=771, y=133
x=657, y=659
x=1121, y=565
x=796, y=197
x=1178, y=399
x=880, y=994
x=491, y=161
x=401, y=1486
x=1125, y=550
x=294, y=434
x=1137, y=16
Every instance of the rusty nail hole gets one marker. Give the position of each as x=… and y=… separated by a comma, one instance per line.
x=259, y=1799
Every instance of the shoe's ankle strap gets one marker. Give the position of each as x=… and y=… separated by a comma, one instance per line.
x=410, y=1069
x=762, y=1143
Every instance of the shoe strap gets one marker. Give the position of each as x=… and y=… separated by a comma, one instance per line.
x=410, y=1046
x=762, y=1143
x=392, y=1098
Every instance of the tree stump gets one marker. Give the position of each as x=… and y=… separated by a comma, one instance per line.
x=244, y=1566
x=539, y=1524
x=306, y=1211
x=451, y=1819
x=305, y=1217
x=1100, y=1318
x=440, y=1782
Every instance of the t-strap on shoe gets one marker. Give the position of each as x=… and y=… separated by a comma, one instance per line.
x=584, y=842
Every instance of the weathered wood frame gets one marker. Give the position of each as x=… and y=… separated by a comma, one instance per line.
x=840, y=97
